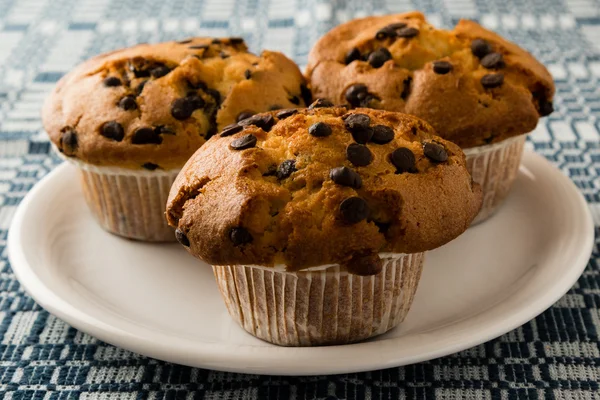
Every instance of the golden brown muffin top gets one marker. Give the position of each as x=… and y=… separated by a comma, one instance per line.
x=471, y=85
x=152, y=106
x=322, y=185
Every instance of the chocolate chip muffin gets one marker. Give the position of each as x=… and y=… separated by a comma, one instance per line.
x=475, y=88
x=131, y=118
x=321, y=195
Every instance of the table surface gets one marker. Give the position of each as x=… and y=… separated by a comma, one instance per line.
x=557, y=355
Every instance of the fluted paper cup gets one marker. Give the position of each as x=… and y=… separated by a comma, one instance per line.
x=126, y=202
x=495, y=168
x=320, y=306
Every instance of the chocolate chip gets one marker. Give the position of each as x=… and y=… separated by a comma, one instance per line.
x=112, y=130
x=182, y=238
x=406, y=90
x=435, y=152
x=239, y=236
x=140, y=88
x=354, y=210
x=306, y=94
x=145, y=135
x=164, y=130
x=68, y=141
x=480, y=48
x=382, y=134
x=215, y=94
x=160, y=71
x=364, y=264
x=216, y=41
x=379, y=57
x=184, y=41
x=358, y=125
x=236, y=40
x=442, y=67
x=352, y=55
x=320, y=129
x=245, y=142
x=137, y=66
x=407, y=32
x=150, y=166
x=359, y=154
x=231, y=130
x=396, y=25
x=346, y=177
x=247, y=74
x=199, y=47
x=224, y=55
x=275, y=107
x=285, y=169
x=320, y=103
x=111, y=81
x=493, y=61
x=385, y=32
x=183, y=108
x=491, y=81
x=355, y=93
x=128, y=103
x=403, y=159
x=263, y=121
x=294, y=100
x=198, y=85
x=286, y=113
x=243, y=115
x=546, y=107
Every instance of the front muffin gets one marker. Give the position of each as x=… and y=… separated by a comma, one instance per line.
x=475, y=88
x=321, y=195
x=131, y=118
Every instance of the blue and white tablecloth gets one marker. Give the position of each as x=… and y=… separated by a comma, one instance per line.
x=555, y=356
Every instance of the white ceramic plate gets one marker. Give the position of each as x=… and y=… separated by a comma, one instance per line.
x=159, y=301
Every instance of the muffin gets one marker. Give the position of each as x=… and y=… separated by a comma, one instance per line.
x=475, y=88
x=131, y=118
x=316, y=220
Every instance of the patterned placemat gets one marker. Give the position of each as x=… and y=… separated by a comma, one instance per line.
x=557, y=355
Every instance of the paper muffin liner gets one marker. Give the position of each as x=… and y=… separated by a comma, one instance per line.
x=495, y=168
x=128, y=203
x=326, y=306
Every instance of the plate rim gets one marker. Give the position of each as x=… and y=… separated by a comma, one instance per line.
x=239, y=358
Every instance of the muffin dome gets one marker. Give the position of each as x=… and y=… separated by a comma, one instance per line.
x=471, y=85
x=319, y=186
x=152, y=106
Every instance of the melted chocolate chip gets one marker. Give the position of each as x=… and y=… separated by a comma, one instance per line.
x=320, y=103
x=140, y=88
x=407, y=32
x=128, y=103
x=354, y=210
x=491, y=81
x=184, y=41
x=215, y=94
x=346, y=177
x=182, y=238
x=150, y=166
x=245, y=142
x=385, y=32
x=231, y=130
x=111, y=81
x=403, y=159
x=285, y=169
x=320, y=129
x=379, y=57
x=306, y=94
x=480, y=48
x=164, y=130
x=216, y=41
x=198, y=85
x=239, y=236
x=146, y=135
x=359, y=154
x=358, y=125
x=356, y=93
x=68, y=141
x=247, y=74
x=397, y=25
x=352, y=55
x=435, y=152
x=442, y=67
x=382, y=134
x=406, y=90
x=160, y=71
x=236, y=40
x=112, y=130
x=493, y=61
x=263, y=121
x=286, y=113
x=294, y=100
x=183, y=108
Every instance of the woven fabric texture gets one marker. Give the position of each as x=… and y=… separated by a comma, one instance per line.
x=555, y=356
